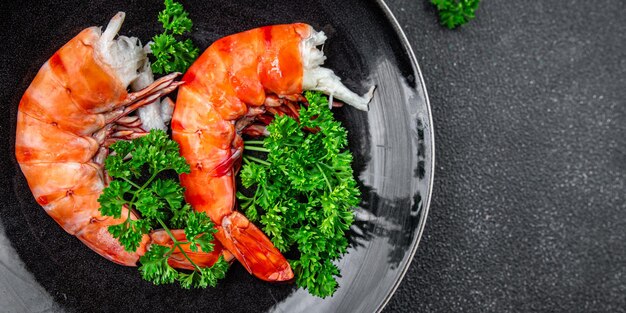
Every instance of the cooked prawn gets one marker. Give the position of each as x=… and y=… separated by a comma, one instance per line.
x=234, y=79
x=75, y=107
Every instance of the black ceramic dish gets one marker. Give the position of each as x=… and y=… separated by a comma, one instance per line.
x=43, y=268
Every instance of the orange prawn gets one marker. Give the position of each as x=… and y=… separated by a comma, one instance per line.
x=76, y=106
x=235, y=79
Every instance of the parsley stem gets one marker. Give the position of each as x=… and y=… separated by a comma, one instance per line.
x=130, y=182
x=131, y=203
x=177, y=244
x=256, y=193
x=332, y=170
x=251, y=158
x=136, y=192
x=253, y=142
x=189, y=259
x=148, y=181
x=330, y=189
x=253, y=148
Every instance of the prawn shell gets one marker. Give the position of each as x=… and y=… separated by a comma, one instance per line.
x=73, y=96
x=45, y=142
x=281, y=69
x=234, y=74
x=96, y=236
x=72, y=201
x=178, y=260
x=62, y=80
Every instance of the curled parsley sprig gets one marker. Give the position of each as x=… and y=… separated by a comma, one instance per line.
x=454, y=13
x=172, y=55
x=304, y=191
x=157, y=200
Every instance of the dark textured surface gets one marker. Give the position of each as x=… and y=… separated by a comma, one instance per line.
x=529, y=203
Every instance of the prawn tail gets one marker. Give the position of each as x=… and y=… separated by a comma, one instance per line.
x=253, y=249
x=96, y=236
x=180, y=260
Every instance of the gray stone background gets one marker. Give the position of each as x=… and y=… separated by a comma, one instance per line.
x=529, y=203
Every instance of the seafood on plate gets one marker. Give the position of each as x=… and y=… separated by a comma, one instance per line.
x=76, y=106
x=237, y=78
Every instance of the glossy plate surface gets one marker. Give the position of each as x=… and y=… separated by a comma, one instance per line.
x=43, y=268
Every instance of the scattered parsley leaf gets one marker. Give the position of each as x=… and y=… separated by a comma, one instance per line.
x=454, y=13
x=316, y=275
x=189, y=280
x=172, y=55
x=251, y=212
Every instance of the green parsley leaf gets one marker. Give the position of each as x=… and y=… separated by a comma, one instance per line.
x=189, y=280
x=251, y=213
x=210, y=275
x=113, y=198
x=116, y=167
x=304, y=197
x=148, y=205
x=170, y=191
x=130, y=233
x=199, y=231
x=154, y=266
x=454, y=13
x=122, y=148
x=158, y=152
x=253, y=173
x=316, y=275
x=174, y=18
x=156, y=201
x=172, y=55
x=206, y=277
x=179, y=216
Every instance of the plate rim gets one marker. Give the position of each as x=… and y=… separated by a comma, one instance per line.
x=406, y=44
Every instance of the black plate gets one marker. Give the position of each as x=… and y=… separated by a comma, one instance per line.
x=42, y=267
